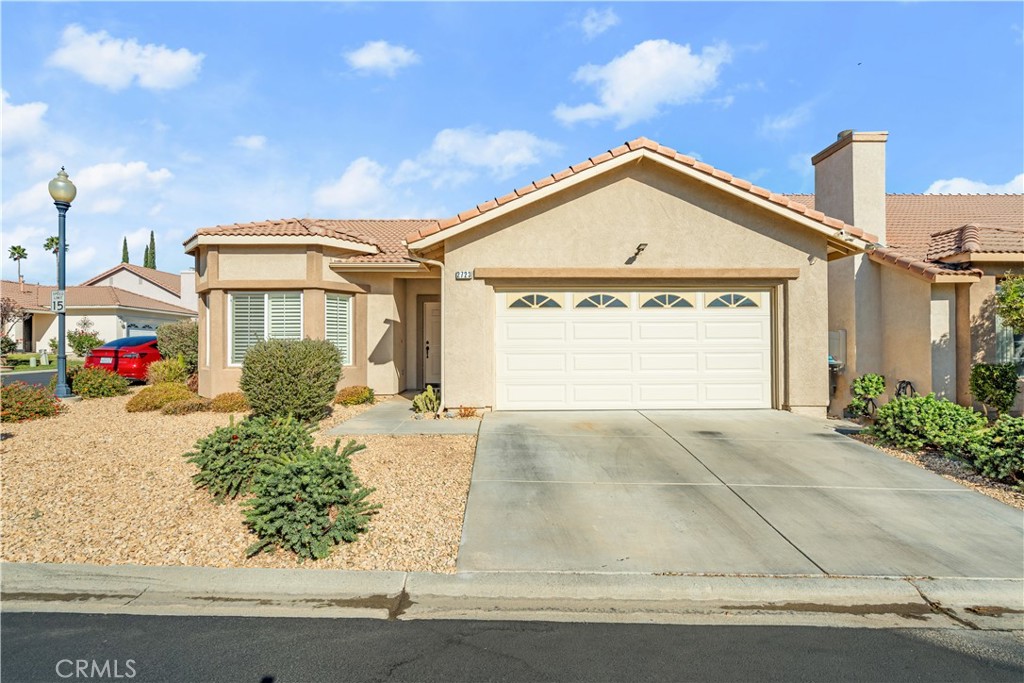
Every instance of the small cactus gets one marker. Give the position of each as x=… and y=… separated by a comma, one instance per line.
x=427, y=402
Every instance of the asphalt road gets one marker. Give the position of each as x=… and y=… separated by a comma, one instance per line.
x=36, y=378
x=46, y=647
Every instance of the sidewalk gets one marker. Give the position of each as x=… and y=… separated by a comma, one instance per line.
x=987, y=604
x=394, y=416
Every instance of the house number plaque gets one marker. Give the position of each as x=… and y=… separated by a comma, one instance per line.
x=463, y=275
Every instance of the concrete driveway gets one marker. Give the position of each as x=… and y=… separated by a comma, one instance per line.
x=732, y=492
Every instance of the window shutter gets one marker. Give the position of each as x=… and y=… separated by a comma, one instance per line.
x=285, y=315
x=247, y=321
x=338, y=323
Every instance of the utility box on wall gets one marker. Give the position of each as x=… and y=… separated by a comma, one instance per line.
x=837, y=349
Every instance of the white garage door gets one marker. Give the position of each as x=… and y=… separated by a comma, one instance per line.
x=627, y=349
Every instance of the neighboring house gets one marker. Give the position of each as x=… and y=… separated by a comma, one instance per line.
x=640, y=278
x=174, y=288
x=115, y=312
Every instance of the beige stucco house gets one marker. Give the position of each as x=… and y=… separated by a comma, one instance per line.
x=639, y=278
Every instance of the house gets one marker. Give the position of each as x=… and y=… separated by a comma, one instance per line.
x=120, y=302
x=639, y=278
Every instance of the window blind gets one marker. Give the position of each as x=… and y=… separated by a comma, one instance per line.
x=248, y=318
x=338, y=323
x=285, y=319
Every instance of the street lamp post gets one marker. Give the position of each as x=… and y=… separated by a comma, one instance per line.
x=63, y=192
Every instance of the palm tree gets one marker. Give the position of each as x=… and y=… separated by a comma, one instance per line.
x=52, y=244
x=16, y=254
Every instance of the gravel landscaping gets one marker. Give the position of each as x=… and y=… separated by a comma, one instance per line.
x=953, y=470
x=99, y=485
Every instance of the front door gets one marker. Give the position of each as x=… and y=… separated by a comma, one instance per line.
x=431, y=342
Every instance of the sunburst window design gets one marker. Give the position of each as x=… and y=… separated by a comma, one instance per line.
x=601, y=301
x=667, y=301
x=733, y=300
x=535, y=301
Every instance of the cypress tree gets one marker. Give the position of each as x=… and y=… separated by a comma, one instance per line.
x=152, y=251
x=145, y=257
x=124, y=250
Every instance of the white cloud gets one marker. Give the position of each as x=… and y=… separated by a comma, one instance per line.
x=359, y=192
x=379, y=56
x=456, y=153
x=115, y=63
x=966, y=186
x=800, y=163
x=251, y=142
x=655, y=73
x=595, y=22
x=103, y=188
x=783, y=124
x=138, y=240
x=21, y=122
x=81, y=257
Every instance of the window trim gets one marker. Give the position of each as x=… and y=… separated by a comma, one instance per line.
x=266, y=318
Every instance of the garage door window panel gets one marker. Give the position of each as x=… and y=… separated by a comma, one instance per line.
x=666, y=300
x=732, y=300
x=601, y=300
x=534, y=301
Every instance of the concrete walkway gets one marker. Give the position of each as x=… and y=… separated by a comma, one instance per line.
x=395, y=416
x=719, y=492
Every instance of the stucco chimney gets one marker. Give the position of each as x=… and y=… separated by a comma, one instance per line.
x=189, y=298
x=849, y=180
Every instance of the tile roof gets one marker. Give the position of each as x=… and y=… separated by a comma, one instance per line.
x=37, y=297
x=976, y=239
x=632, y=146
x=912, y=219
x=384, y=234
x=926, y=269
x=169, y=281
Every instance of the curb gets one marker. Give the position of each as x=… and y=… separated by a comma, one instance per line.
x=883, y=602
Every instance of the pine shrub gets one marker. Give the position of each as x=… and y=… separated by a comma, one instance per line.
x=180, y=339
x=308, y=502
x=20, y=402
x=291, y=377
x=170, y=370
x=353, y=396
x=230, y=457
x=98, y=383
x=999, y=454
x=916, y=422
x=231, y=402
x=156, y=396
x=193, y=404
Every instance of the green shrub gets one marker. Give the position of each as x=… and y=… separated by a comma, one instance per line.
x=353, y=396
x=232, y=402
x=194, y=404
x=69, y=376
x=308, y=502
x=7, y=345
x=20, y=401
x=156, y=396
x=180, y=339
x=98, y=383
x=994, y=385
x=427, y=402
x=916, y=422
x=865, y=389
x=53, y=346
x=170, y=370
x=230, y=457
x=82, y=339
x=291, y=377
x=1000, y=453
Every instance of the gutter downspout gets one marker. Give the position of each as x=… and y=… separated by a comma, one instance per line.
x=444, y=342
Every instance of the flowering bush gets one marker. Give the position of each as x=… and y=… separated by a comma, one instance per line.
x=22, y=402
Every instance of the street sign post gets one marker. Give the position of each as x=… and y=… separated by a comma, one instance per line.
x=57, y=301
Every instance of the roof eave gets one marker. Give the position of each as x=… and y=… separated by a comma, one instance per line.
x=191, y=244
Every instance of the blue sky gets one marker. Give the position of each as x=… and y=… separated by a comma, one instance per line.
x=175, y=116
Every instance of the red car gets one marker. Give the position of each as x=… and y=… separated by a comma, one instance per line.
x=129, y=357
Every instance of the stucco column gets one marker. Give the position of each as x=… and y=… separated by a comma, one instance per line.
x=314, y=306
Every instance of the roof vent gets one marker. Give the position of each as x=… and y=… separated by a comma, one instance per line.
x=844, y=133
